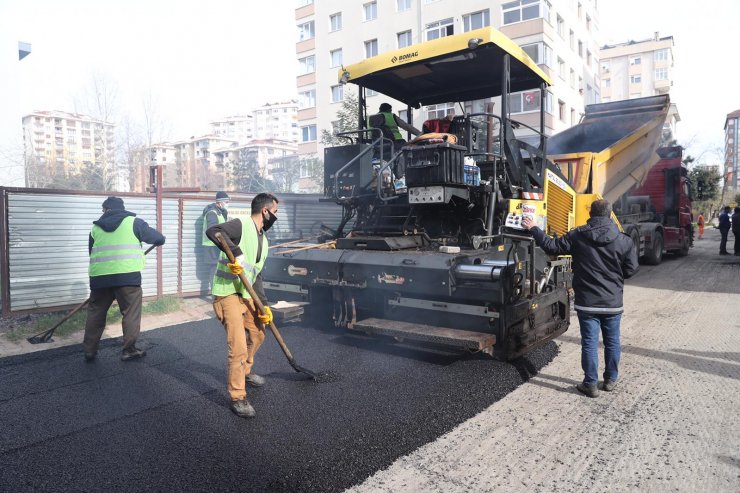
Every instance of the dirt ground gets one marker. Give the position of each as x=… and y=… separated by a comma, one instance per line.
x=671, y=424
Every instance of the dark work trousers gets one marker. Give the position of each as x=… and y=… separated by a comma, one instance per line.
x=129, y=302
x=211, y=256
x=723, y=241
x=737, y=242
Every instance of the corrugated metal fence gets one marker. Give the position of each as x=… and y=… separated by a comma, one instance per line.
x=44, y=241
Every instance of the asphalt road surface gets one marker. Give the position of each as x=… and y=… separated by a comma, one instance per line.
x=163, y=423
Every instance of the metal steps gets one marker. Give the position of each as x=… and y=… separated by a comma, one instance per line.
x=454, y=338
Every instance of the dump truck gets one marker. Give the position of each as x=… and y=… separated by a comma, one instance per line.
x=613, y=153
x=430, y=249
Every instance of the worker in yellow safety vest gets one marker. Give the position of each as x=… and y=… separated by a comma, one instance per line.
x=389, y=124
x=214, y=213
x=244, y=325
x=116, y=262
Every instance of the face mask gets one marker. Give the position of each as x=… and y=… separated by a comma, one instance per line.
x=225, y=206
x=268, y=221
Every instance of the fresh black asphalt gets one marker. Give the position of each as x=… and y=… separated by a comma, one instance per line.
x=163, y=423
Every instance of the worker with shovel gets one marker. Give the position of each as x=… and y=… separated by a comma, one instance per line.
x=116, y=262
x=234, y=307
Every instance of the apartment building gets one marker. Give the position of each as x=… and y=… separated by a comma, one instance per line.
x=59, y=142
x=560, y=35
x=636, y=69
x=260, y=152
x=239, y=128
x=732, y=159
x=276, y=121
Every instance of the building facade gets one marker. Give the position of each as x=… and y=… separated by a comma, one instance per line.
x=732, y=159
x=560, y=35
x=56, y=142
x=638, y=69
x=276, y=121
x=238, y=128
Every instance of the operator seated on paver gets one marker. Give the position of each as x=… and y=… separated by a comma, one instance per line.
x=244, y=325
x=116, y=262
x=389, y=123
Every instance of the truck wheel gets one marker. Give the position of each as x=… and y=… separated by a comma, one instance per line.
x=684, y=250
x=655, y=255
x=635, y=235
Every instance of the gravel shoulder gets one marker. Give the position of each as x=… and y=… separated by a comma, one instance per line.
x=671, y=425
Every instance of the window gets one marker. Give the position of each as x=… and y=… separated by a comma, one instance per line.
x=635, y=60
x=661, y=74
x=580, y=84
x=635, y=79
x=580, y=10
x=605, y=66
x=661, y=55
x=307, y=99
x=588, y=23
x=404, y=115
x=336, y=58
x=572, y=116
x=588, y=58
x=540, y=53
x=439, y=29
x=404, y=39
x=335, y=22
x=561, y=68
x=561, y=110
x=607, y=83
x=371, y=10
x=307, y=65
x=402, y=5
x=572, y=78
x=306, y=31
x=476, y=20
x=436, y=111
x=524, y=10
x=522, y=102
x=572, y=40
x=371, y=48
x=561, y=27
x=580, y=48
x=308, y=133
x=337, y=93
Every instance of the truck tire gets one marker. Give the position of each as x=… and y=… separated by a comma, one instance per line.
x=635, y=235
x=684, y=250
x=655, y=254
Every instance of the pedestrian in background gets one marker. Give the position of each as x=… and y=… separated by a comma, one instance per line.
x=700, y=224
x=116, y=262
x=724, y=229
x=736, y=229
x=603, y=258
x=244, y=325
x=213, y=214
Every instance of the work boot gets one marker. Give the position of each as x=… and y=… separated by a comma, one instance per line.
x=255, y=380
x=609, y=385
x=243, y=409
x=90, y=357
x=132, y=353
x=589, y=390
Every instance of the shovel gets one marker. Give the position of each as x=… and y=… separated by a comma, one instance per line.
x=46, y=335
x=261, y=309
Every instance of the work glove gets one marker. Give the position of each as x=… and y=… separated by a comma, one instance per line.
x=266, y=316
x=238, y=266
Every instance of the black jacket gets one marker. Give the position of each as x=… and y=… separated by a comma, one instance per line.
x=603, y=258
x=736, y=222
x=724, y=221
x=109, y=222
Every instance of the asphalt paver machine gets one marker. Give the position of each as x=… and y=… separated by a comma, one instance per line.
x=430, y=248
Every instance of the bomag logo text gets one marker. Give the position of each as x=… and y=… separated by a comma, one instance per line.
x=405, y=57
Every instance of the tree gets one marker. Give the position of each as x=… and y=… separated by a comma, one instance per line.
x=347, y=119
x=246, y=175
x=704, y=183
x=737, y=198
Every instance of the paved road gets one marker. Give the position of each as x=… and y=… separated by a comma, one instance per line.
x=671, y=425
x=163, y=423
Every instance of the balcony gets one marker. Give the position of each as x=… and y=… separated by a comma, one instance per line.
x=663, y=86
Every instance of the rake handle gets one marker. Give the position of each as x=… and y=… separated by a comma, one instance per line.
x=255, y=298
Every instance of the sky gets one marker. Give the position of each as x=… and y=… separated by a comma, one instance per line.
x=197, y=61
